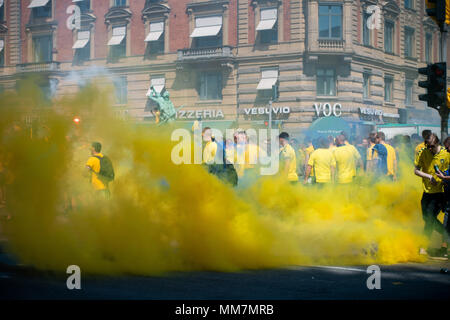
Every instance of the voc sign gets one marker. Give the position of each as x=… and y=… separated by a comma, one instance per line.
x=327, y=110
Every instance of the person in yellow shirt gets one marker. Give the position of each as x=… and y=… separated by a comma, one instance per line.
x=210, y=148
x=347, y=159
x=391, y=156
x=93, y=166
x=420, y=147
x=372, y=156
x=433, y=199
x=288, y=159
x=323, y=162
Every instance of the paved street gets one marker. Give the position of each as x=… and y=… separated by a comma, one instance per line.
x=405, y=281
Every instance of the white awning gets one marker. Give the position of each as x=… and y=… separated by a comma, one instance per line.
x=77, y=0
x=82, y=39
x=2, y=45
x=118, y=34
x=268, y=19
x=37, y=3
x=207, y=26
x=156, y=30
x=269, y=78
x=1, y=3
x=158, y=83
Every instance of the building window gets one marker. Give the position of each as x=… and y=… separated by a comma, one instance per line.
x=41, y=8
x=2, y=53
x=2, y=10
x=42, y=48
x=155, y=38
x=388, y=82
x=120, y=3
x=428, y=47
x=389, y=37
x=121, y=89
x=82, y=46
x=85, y=5
x=207, y=32
x=409, y=4
x=330, y=22
x=409, y=42
x=366, y=30
x=366, y=85
x=210, y=86
x=408, y=92
x=118, y=43
x=268, y=25
x=326, y=82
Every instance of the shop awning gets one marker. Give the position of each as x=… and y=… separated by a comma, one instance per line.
x=268, y=79
x=82, y=39
x=328, y=126
x=156, y=30
x=207, y=26
x=158, y=83
x=37, y=3
x=117, y=36
x=1, y=3
x=268, y=19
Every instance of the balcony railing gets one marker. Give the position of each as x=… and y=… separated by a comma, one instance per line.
x=331, y=44
x=205, y=53
x=38, y=67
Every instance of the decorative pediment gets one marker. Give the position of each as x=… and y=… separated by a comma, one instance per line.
x=41, y=26
x=212, y=5
x=429, y=23
x=88, y=19
x=391, y=9
x=118, y=15
x=155, y=10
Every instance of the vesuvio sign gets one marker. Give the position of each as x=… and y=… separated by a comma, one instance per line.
x=259, y=111
x=327, y=110
x=204, y=114
x=377, y=112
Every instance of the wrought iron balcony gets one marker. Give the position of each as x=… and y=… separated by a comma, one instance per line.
x=197, y=54
x=38, y=67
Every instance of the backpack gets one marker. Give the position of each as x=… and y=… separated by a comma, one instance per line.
x=106, y=169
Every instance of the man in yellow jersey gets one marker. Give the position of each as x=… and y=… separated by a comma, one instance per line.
x=433, y=199
x=99, y=184
x=309, y=149
x=323, y=162
x=391, y=156
x=288, y=159
x=354, y=151
x=346, y=161
x=210, y=148
x=420, y=147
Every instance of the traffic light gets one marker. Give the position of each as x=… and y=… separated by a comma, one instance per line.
x=436, y=84
x=437, y=10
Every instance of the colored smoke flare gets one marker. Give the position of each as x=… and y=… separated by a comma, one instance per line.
x=192, y=222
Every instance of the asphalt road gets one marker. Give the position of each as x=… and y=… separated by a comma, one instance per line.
x=403, y=281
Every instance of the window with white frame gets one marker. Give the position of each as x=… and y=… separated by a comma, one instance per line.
x=330, y=22
x=326, y=82
x=207, y=32
x=366, y=85
x=155, y=38
x=121, y=89
x=210, y=86
x=118, y=43
x=409, y=42
x=82, y=46
x=388, y=88
x=408, y=92
x=268, y=25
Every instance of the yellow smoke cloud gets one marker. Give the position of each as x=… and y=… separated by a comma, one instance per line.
x=190, y=222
